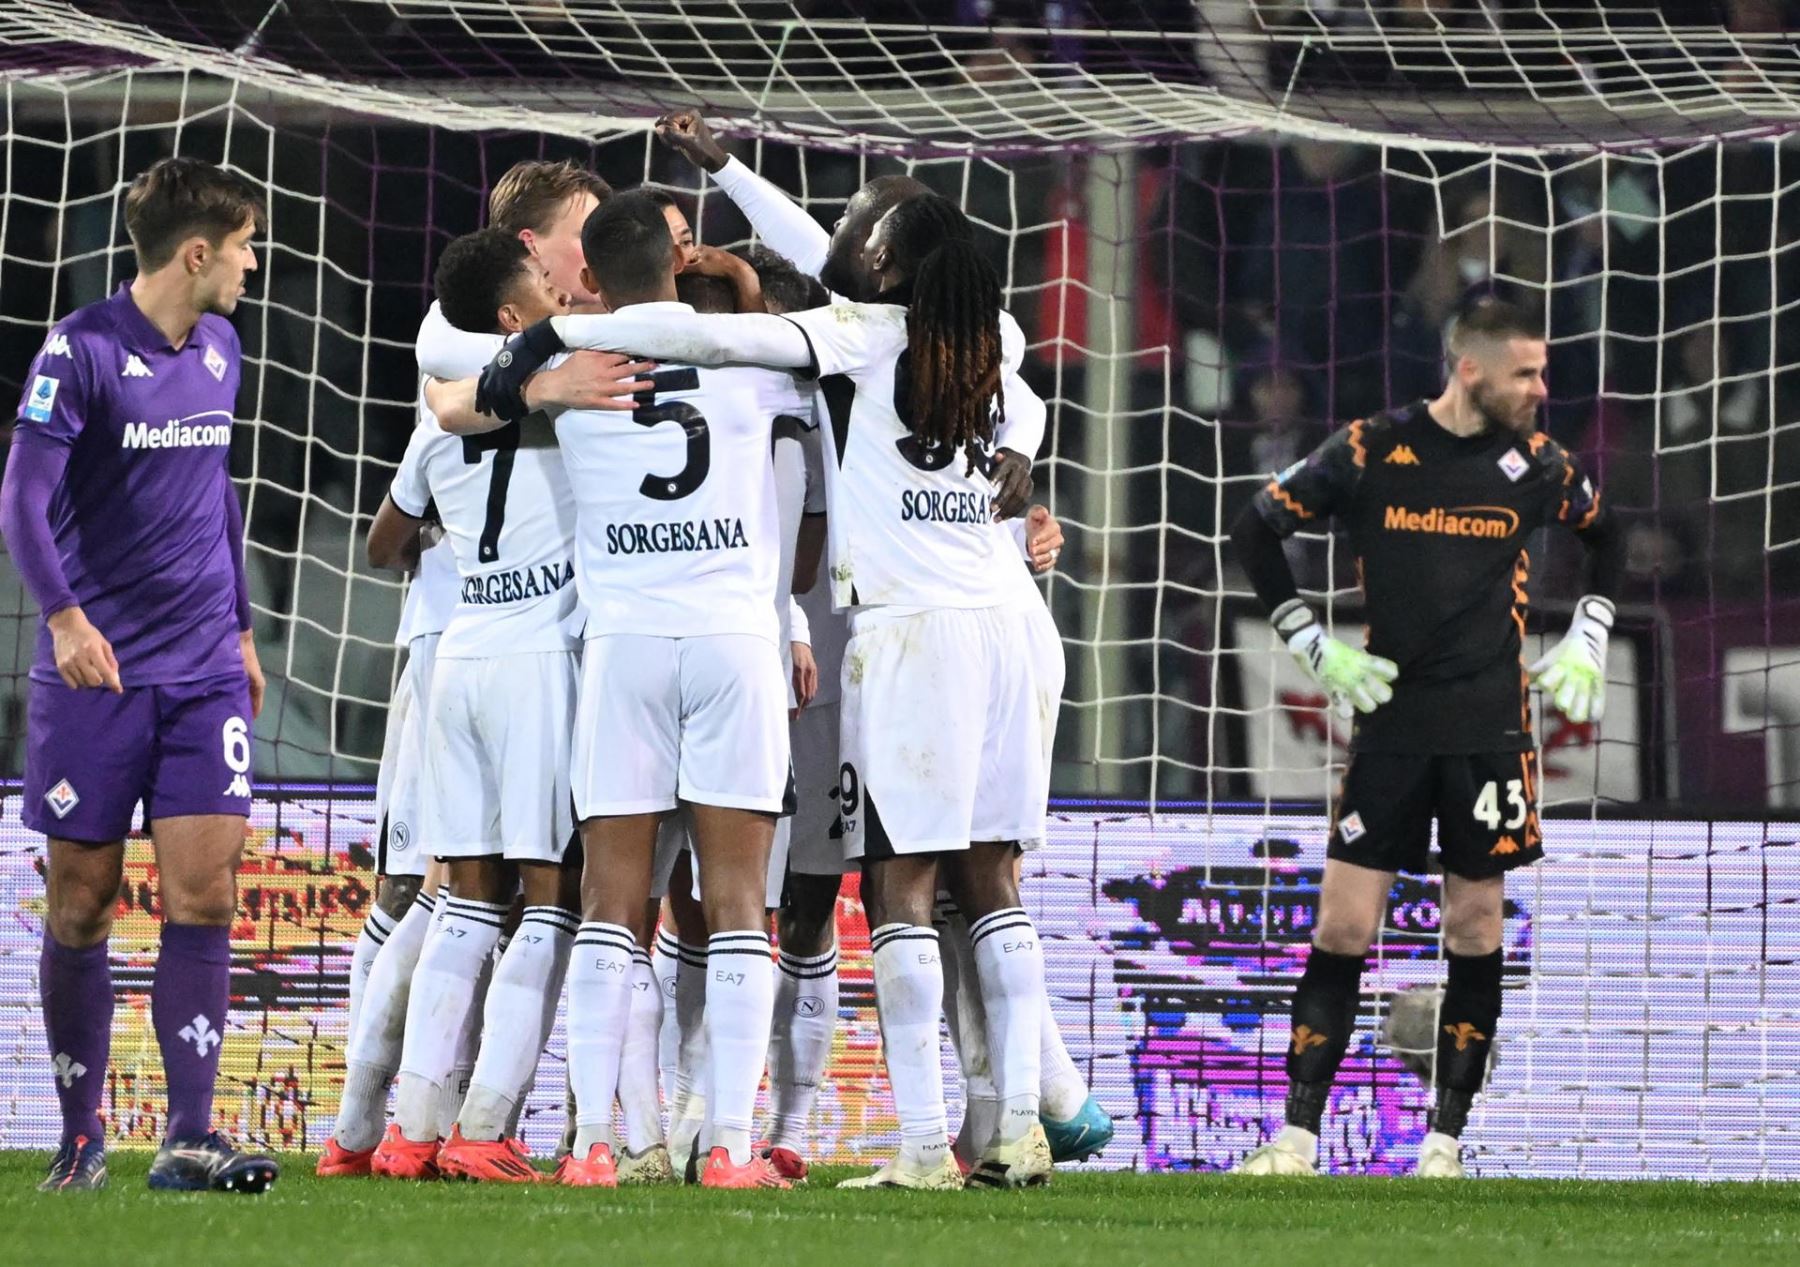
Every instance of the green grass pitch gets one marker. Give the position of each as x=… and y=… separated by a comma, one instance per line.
x=1087, y=1219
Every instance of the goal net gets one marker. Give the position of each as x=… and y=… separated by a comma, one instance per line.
x=1225, y=228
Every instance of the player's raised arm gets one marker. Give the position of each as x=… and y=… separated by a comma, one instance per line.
x=777, y=219
x=1573, y=672
x=1310, y=491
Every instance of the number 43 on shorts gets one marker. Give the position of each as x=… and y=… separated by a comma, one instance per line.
x=1487, y=805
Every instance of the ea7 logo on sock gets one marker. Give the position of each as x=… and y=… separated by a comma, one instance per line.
x=201, y=1034
x=1008, y=947
x=61, y=798
x=67, y=1068
x=728, y=978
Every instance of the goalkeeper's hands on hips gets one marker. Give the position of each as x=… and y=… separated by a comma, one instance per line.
x=1573, y=672
x=1355, y=680
x=501, y=390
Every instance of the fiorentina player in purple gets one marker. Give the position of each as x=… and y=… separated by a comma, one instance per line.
x=120, y=514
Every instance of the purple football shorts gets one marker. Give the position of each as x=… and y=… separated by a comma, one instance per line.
x=91, y=755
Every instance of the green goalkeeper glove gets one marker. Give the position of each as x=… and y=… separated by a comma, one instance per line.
x=1573, y=673
x=1355, y=680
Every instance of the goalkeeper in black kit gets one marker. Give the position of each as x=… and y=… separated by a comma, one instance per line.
x=1437, y=501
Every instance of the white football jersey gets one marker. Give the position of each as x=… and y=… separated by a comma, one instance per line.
x=677, y=532
x=504, y=502
x=799, y=492
x=909, y=525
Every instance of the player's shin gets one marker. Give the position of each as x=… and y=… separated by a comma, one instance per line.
x=1062, y=1088
x=740, y=998
x=513, y=1029
x=909, y=993
x=442, y=998
x=665, y=962
x=468, y=1045
x=599, y=1010
x=805, y=1017
x=639, y=1099
x=1324, y=1018
x=966, y=1021
x=372, y=1055
x=188, y=1002
x=1009, y=962
x=1465, y=1038
x=375, y=931
x=76, y=988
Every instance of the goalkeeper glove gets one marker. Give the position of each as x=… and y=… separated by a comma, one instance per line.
x=501, y=389
x=1354, y=679
x=1573, y=673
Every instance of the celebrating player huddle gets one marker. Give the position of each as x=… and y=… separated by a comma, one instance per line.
x=651, y=704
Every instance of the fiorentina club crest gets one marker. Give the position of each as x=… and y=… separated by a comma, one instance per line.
x=215, y=363
x=1514, y=464
x=61, y=798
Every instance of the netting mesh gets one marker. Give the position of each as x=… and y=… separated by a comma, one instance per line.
x=1224, y=229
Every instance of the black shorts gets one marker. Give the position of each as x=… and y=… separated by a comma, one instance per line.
x=1485, y=805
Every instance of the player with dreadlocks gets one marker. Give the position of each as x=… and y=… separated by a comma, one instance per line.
x=944, y=775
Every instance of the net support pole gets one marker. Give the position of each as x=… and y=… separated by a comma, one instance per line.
x=1110, y=204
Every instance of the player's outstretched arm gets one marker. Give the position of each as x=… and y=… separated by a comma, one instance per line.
x=778, y=220
x=750, y=338
x=587, y=380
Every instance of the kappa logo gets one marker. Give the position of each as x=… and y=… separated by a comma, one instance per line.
x=1515, y=464
x=135, y=368
x=1505, y=845
x=1464, y=1034
x=1350, y=827
x=61, y=798
x=1306, y=1036
x=67, y=1068
x=58, y=346
x=215, y=363
x=1402, y=455
x=201, y=1034
x=239, y=786
x=41, y=398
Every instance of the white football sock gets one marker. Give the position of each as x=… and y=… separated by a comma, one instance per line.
x=443, y=997
x=375, y=931
x=639, y=1099
x=805, y=1018
x=740, y=1002
x=1010, y=961
x=512, y=1022
x=909, y=994
x=599, y=1007
x=966, y=1020
x=665, y=961
x=468, y=1045
x=688, y=1109
x=1064, y=1090
x=372, y=1055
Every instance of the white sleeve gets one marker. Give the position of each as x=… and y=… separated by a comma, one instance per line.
x=1023, y=423
x=813, y=450
x=778, y=220
x=691, y=338
x=1016, y=526
x=443, y=351
x=410, y=491
x=799, y=627
x=843, y=338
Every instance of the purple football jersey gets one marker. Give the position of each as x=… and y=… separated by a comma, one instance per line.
x=140, y=519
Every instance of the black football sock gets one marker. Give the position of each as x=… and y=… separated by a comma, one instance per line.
x=1465, y=1038
x=1324, y=1018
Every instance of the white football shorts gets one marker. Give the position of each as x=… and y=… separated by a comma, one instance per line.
x=497, y=757
x=662, y=720
x=397, y=779
x=942, y=733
